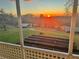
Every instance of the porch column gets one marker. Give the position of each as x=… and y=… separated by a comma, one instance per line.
x=73, y=26
x=20, y=27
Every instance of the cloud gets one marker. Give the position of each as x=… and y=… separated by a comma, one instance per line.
x=28, y=0
x=23, y=0
x=12, y=0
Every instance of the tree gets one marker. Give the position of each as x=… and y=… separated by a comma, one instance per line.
x=3, y=20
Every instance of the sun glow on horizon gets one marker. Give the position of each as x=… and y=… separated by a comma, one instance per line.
x=48, y=16
x=54, y=13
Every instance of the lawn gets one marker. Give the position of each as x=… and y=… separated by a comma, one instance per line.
x=12, y=35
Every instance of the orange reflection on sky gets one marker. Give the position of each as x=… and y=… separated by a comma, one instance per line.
x=44, y=12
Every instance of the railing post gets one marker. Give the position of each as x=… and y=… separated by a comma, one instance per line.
x=20, y=27
x=73, y=26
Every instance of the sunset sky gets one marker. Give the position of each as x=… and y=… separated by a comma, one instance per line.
x=53, y=7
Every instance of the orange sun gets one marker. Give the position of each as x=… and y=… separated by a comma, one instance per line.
x=48, y=16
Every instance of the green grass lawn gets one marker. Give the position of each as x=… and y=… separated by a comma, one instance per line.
x=12, y=35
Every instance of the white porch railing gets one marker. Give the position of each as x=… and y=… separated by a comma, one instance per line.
x=12, y=51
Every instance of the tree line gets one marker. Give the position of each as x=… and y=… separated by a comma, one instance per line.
x=7, y=20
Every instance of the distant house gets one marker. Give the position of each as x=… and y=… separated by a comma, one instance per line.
x=25, y=25
x=67, y=29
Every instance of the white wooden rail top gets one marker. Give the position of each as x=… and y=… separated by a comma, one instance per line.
x=13, y=51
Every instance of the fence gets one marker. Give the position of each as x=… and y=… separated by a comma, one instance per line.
x=13, y=51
